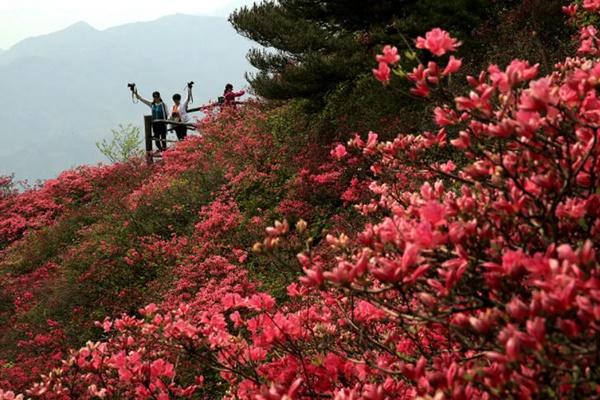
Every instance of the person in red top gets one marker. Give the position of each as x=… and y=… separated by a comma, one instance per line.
x=229, y=95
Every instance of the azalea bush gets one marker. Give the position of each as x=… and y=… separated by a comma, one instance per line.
x=388, y=273
x=135, y=231
x=38, y=314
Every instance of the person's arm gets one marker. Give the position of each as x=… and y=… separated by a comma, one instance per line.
x=239, y=94
x=187, y=100
x=140, y=98
x=189, y=96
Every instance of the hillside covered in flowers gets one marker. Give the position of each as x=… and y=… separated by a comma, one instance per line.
x=266, y=259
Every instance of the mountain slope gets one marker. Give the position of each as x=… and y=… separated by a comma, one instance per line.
x=72, y=83
x=262, y=260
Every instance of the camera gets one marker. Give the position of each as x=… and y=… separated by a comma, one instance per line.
x=190, y=84
x=131, y=86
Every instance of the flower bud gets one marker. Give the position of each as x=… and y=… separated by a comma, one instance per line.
x=301, y=226
x=257, y=248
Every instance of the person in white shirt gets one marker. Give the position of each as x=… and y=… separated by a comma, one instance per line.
x=180, y=114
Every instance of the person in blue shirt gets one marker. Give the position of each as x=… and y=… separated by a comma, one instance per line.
x=159, y=113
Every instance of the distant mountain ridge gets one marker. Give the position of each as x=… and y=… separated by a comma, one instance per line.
x=43, y=45
x=64, y=91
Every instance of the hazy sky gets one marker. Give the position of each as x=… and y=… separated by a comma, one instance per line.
x=20, y=19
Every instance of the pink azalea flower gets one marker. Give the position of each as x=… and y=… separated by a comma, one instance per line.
x=160, y=368
x=8, y=395
x=570, y=10
x=339, y=152
x=382, y=74
x=453, y=66
x=444, y=116
x=588, y=41
x=389, y=56
x=591, y=5
x=371, y=144
x=420, y=90
x=438, y=42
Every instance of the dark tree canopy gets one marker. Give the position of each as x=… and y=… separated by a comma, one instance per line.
x=314, y=45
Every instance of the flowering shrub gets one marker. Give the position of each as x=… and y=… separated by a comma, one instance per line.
x=466, y=278
x=423, y=77
x=497, y=274
x=40, y=207
x=34, y=265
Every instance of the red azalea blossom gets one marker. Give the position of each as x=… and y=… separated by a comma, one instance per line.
x=591, y=5
x=382, y=73
x=438, y=42
x=472, y=276
x=389, y=56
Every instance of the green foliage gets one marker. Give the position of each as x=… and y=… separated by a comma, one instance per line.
x=125, y=144
x=456, y=16
x=541, y=24
x=389, y=111
x=323, y=51
x=6, y=303
x=289, y=122
x=320, y=44
x=45, y=245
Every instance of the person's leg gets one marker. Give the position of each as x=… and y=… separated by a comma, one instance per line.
x=156, y=135
x=163, y=137
x=181, y=132
x=160, y=135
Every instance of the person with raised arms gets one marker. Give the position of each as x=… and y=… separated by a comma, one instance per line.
x=159, y=115
x=230, y=96
x=180, y=114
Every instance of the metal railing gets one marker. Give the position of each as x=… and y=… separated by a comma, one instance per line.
x=149, y=138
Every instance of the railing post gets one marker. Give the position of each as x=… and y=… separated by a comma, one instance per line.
x=148, y=138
